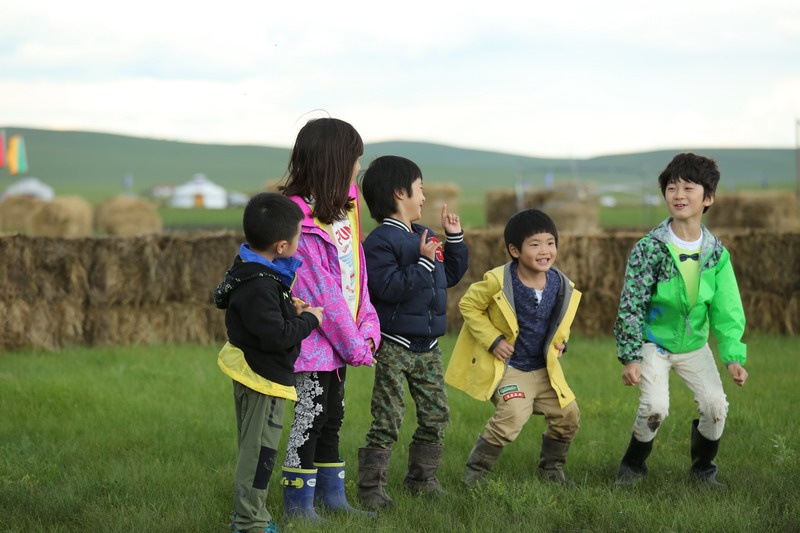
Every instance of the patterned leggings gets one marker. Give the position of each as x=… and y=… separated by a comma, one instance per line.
x=318, y=416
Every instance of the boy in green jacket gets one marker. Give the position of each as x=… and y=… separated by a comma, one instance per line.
x=679, y=283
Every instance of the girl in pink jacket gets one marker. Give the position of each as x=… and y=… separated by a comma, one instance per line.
x=321, y=179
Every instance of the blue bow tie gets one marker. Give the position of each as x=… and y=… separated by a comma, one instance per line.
x=693, y=257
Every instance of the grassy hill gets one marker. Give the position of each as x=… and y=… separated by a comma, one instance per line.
x=94, y=164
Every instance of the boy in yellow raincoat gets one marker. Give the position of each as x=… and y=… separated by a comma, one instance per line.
x=516, y=325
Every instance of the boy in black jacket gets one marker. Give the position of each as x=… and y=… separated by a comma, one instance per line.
x=265, y=326
x=408, y=277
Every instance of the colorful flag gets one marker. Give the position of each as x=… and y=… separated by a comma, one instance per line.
x=2, y=148
x=17, y=159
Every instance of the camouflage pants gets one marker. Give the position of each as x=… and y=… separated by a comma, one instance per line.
x=425, y=376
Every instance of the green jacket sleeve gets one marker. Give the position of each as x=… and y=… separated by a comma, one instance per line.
x=726, y=314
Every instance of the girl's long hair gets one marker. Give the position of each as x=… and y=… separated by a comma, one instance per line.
x=321, y=166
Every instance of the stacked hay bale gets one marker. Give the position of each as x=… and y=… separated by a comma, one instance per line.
x=17, y=211
x=125, y=216
x=772, y=210
x=572, y=205
x=64, y=216
x=437, y=195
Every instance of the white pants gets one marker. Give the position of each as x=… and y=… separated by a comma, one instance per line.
x=698, y=371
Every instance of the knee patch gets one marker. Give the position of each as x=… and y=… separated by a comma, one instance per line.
x=266, y=462
x=715, y=407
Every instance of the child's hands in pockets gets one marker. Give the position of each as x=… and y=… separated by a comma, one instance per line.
x=428, y=248
x=451, y=222
x=503, y=350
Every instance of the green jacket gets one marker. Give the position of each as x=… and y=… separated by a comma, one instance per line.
x=654, y=305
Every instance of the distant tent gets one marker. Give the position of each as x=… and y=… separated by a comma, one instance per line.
x=17, y=158
x=30, y=187
x=200, y=192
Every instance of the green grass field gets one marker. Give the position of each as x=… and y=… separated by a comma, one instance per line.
x=143, y=439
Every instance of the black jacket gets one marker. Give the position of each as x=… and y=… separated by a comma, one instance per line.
x=261, y=319
x=409, y=291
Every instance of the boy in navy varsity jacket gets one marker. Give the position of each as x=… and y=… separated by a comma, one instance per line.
x=265, y=327
x=408, y=275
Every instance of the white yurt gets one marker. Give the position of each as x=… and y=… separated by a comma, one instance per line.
x=199, y=192
x=31, y=187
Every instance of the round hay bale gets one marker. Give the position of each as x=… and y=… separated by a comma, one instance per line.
x=775, y=210
x=16, y=212
x=125, y=216
x=66, y=216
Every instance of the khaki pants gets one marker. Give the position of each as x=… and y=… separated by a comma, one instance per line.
x=521, y=394
x=259, y=421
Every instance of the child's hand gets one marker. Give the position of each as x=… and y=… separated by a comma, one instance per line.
x=371, y=346
x=316, y=311
x=503, y=350
x=560, y=347
x=450, y=221
x=428, y=249
x=738, y=373
x=299, y=306
x=632, y=373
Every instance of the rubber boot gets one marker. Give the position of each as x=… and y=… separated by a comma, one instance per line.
x=423, y=462
x=633, y=466
x=703, y=452
x=298, y=494
x=329, y=492
x=373, y=464
x=552, y=459
x=481, y=460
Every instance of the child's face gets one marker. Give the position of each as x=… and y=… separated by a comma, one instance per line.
x=411, y=206
x=686, y=199
x=537, y=254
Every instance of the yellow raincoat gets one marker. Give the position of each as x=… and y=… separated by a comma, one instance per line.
x=488, y=311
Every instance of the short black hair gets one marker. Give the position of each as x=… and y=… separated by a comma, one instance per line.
x=268, y=218
x=387, y=175
x=526, y=223
x=694, y=168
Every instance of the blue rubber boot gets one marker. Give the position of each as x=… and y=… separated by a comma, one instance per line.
x=298, y=494
x=329, y=492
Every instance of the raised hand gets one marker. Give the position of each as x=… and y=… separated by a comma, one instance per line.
x=451, y=222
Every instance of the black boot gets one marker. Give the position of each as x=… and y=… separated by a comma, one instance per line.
x=552, y=459
x=703, y=452
x=480, y=462
x=423, y=462
x=633, y=466
x=373, y=465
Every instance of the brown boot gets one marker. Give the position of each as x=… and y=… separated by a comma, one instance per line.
x=423, y=462
x=373, y=464
x=552, y=459
x=481, y=461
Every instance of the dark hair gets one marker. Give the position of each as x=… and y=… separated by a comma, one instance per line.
x=694, y=168
x=526, y=223
x=321, y=166
x=386, y=176
x=268, y=218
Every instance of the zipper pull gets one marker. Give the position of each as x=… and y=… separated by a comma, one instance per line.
x=688, y=327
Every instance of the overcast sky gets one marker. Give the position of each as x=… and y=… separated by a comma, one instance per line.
x=575, y=79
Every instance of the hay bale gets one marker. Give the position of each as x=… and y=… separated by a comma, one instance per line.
x=775, y=210
x=16, y=213
x=437, y=195
x=572, y=205
x=126, y=215
x=65, y=216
